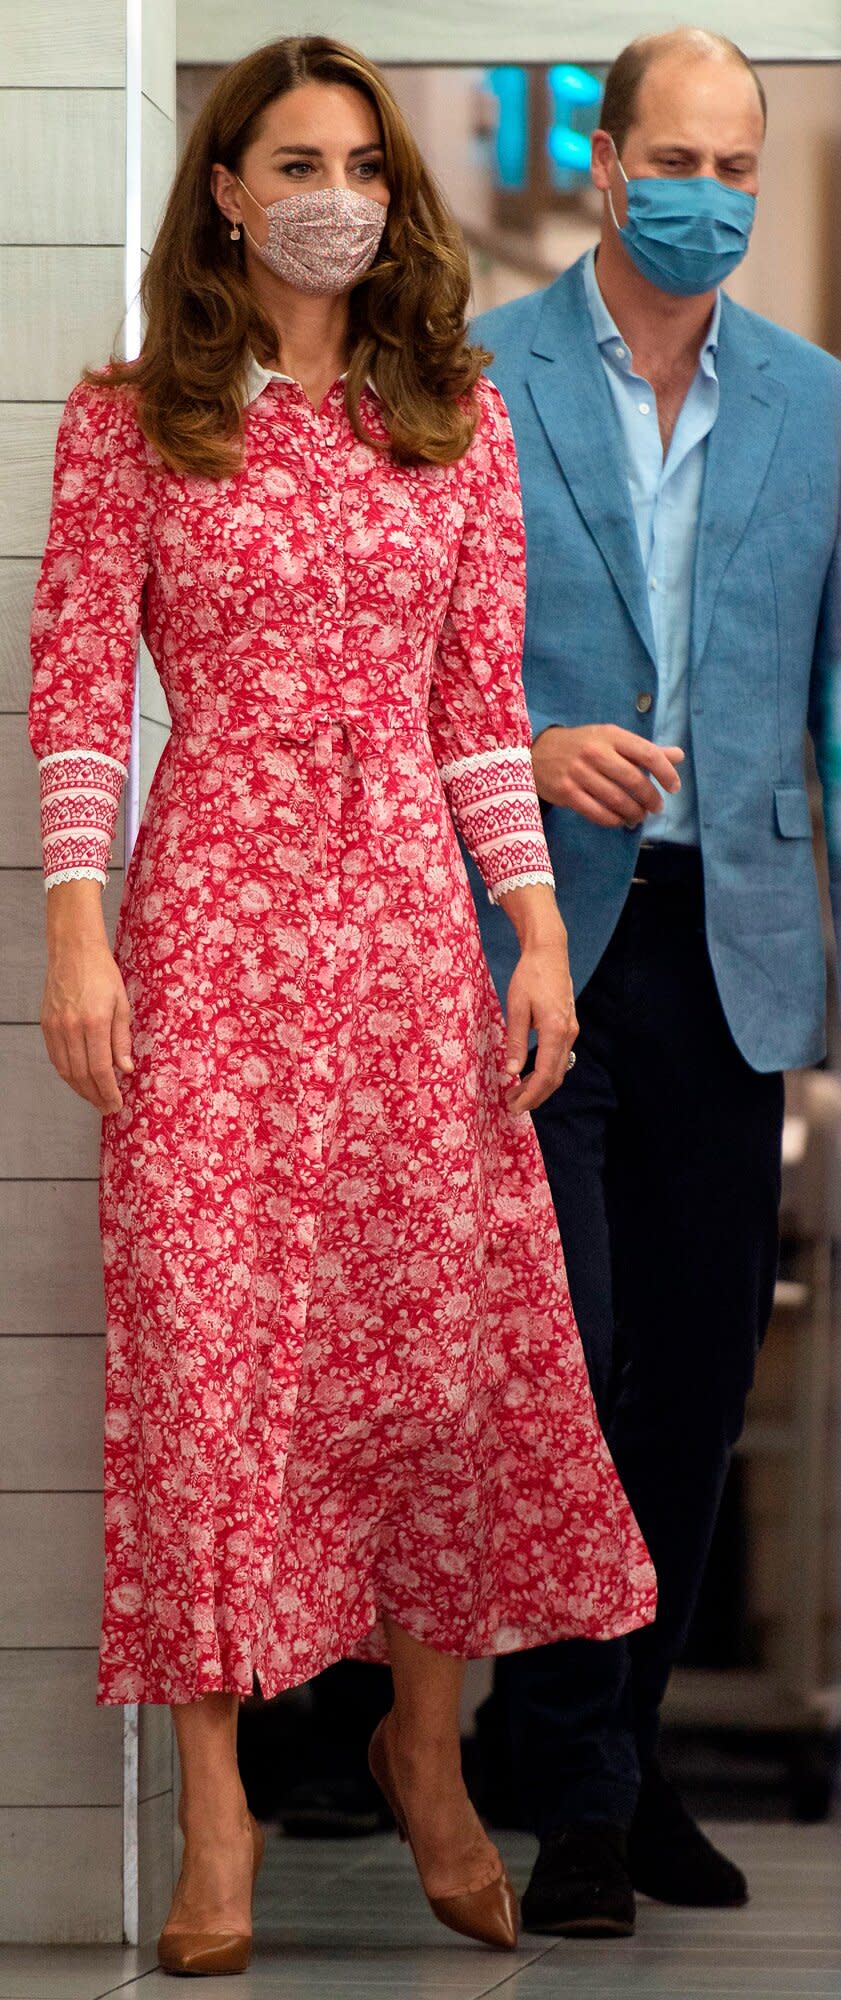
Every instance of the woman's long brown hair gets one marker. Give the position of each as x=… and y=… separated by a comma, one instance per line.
x=407, y=315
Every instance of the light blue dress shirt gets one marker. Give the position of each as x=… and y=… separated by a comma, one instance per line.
x=666, y=498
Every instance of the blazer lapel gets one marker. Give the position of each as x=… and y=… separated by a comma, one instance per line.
x=566, y=381
x=739, y=451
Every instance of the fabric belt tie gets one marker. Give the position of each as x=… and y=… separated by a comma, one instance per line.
x=367, y=732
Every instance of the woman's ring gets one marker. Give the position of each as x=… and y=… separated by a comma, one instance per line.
x=571, y=1059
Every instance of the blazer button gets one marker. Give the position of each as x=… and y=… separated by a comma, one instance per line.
x=643, y=703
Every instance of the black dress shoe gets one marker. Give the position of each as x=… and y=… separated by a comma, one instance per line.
x=333, y=1808
x=580, y=1886
x=671, y=1859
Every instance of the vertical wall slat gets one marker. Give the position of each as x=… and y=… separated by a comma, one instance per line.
x=87, y=132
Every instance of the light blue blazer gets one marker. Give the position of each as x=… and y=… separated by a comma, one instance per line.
x=765, y=652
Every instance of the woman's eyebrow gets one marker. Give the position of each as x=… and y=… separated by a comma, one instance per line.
x=315, y=152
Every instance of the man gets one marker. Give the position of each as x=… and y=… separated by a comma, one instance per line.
x=680, y=464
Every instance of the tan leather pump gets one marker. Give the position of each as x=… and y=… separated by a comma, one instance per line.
x=490, y=1915
x=210, y=1952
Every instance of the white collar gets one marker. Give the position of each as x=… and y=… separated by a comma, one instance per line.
x=257, y=377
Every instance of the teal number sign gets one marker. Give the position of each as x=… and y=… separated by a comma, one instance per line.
x=575, y=97
x=510, y=87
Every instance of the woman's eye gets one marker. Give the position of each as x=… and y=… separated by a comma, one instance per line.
x=297, y=169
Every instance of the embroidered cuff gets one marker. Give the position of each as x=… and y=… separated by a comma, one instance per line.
x=80, y=798
x=496, y=810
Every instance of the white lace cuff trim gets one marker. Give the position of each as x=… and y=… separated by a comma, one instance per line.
x=520, y=882
x=483, y=760
x=75, y=875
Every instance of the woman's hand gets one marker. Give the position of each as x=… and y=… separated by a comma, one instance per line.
x=85, y=1014
x=540, y=995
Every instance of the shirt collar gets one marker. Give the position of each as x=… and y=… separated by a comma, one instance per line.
x=257, y=377
x=607, y=331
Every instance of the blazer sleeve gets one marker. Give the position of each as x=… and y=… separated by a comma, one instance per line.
x=85, y=627
x=825, y=726
x=478, y=720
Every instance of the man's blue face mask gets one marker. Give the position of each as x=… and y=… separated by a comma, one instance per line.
x=685, y=236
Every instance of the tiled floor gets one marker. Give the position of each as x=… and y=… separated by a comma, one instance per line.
x=348, y=1920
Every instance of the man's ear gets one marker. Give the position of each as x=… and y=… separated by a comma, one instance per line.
x=602, y=160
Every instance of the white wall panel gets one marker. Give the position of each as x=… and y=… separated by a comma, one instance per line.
x=52, y=1263
x=53, y=144
x=157, y=1746
x=47, y=1128
x=214, y=31
x=153, y=736
x=63, y=44
x=70, y=1752
x=157, y=1881
x=59, y=1882
x=27, y=450
x=51, y=1561
x=157, y=73
x=17, y=584
x=60, y=311
x=51, y=1403
x=87, y=103
x=153, y=702
x=20, y=822
x=158, y=150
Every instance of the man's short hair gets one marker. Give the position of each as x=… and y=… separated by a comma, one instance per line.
x=625, y=77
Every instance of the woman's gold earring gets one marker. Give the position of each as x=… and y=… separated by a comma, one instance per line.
x=235, y=233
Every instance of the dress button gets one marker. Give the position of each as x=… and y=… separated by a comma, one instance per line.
x=644, y=702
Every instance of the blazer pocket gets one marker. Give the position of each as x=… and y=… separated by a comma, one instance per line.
x=793, y=812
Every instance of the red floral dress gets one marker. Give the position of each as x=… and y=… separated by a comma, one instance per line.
x=343, y=1374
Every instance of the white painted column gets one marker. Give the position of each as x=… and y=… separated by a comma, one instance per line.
x=87, y=149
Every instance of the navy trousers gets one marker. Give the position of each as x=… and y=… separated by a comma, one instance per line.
x=663, y=1151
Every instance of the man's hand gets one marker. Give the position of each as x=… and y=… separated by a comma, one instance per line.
x=604, y=772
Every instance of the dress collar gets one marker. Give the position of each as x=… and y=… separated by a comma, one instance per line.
x=257, y=377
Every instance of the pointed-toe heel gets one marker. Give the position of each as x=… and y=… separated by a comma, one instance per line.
x=205, y=1953
x=490, y=1915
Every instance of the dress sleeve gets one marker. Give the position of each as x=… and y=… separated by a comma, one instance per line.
x=479, y=724
x=85, y=626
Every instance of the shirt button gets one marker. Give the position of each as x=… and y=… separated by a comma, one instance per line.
x=645, y=409
x=644, y=702
x=654, y=583
x=620, y=353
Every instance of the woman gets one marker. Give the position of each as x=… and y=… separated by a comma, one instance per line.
x=347, y=1409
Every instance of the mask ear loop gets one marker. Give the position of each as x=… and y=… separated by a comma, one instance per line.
x=251, y=197
x=616, y=222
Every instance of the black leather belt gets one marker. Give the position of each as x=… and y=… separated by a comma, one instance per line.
x=669, y=864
